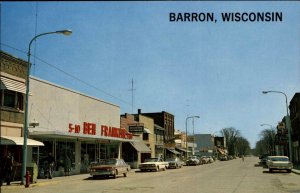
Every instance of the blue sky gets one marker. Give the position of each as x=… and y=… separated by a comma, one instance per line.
x=214, y=70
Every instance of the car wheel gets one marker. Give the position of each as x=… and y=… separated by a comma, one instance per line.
x=157, y=169
x=125, y=174
x=270, y=170
x=94, y=177
x=164, y=169
x=115, y=174
x=289, y=171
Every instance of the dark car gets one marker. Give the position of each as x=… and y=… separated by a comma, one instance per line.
x=263, y=160
x=109, y=167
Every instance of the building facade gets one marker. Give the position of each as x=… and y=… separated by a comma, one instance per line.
x=74, y=125
x=295, y=123
x=205, y=144
x=166, y=121
x=143, y=145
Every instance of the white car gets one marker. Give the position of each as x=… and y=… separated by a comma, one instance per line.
x=155, y=164
x=279, y=163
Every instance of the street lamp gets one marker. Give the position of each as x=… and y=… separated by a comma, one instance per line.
x=186, y=143
x=24, y=148
x=287, y=120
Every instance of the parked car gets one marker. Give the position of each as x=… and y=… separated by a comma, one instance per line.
x=279, y=163
x=223, y=158
x=174, y=162
x=153, y=164
x=109, y=167
x=204, y=160
x=263, y=160
x=192, y=160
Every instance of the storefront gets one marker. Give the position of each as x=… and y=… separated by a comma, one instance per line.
x=73, y=125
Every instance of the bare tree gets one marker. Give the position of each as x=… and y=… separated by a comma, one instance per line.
x=267, y=141
x=231, y=135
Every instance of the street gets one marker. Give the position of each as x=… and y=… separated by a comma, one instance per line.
x=234, y=176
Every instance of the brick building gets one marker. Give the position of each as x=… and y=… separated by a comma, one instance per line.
x=295, y=123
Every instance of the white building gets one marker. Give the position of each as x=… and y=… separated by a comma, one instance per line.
x=84, y=128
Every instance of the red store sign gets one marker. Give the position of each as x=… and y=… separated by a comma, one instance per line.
x=107, y=131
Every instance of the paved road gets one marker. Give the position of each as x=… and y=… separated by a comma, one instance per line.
x=232, y=176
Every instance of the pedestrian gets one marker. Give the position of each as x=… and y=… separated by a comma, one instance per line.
x=8, y=167
x=67, y=165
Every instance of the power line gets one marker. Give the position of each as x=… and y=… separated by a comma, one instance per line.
x=70, y=75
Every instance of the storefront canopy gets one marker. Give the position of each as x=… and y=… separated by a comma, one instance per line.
x=146, y=130
x=10, y=140
x=173, y=151
x=181, y=149
x=140, y=146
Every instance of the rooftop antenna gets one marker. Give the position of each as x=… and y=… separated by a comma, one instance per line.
x=132, y=89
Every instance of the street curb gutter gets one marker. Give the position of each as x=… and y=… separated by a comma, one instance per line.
x=296, y=171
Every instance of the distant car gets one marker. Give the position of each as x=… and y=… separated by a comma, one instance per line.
x=263, y=160
x=153, y=164
x=109, y=167
x=279, y=163
x=223, y=158
x=192, y=160
x=204, y=160
x=174, y=162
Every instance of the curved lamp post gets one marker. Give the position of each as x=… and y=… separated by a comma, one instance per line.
x=287, y=120
x=24, y=148
x=186, y=143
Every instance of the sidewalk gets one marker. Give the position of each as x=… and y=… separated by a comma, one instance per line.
x=41, y=182
x=296, y=169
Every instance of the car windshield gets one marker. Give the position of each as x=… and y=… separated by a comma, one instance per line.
x=110, y=162
x=151, y=160
x=280, y=159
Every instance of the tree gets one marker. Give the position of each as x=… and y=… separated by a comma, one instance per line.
x=231, y=136
x=242, y=146
x=266, y=144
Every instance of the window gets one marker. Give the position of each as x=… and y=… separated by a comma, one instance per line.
x=9, y=99
x=20, y=101
x=12, y=99
x=145, y=136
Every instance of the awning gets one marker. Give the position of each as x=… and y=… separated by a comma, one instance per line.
x=38, y=133
x=10, y=84
x=173, y=151
x=181, y=149
x=147, y=130
x=10, y=140
x=140, y=146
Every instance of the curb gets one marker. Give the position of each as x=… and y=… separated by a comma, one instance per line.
x=296, y=171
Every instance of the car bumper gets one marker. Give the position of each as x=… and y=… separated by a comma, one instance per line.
x=148, y=167
x=102, y=173
x=280, y=168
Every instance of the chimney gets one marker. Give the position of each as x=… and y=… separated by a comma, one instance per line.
x=139, y=111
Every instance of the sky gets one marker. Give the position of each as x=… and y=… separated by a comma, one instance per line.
x=216, y=70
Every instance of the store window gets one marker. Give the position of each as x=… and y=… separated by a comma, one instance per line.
x=59, y=149
x=64, y=149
